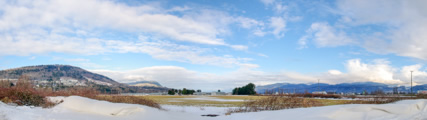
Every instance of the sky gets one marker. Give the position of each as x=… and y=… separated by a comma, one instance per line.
x=221, y=44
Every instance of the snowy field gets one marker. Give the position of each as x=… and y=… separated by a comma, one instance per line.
x=79, y=108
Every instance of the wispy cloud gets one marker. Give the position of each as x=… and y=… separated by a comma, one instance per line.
x=39, y=27
x=399, y=27
x=325, y=35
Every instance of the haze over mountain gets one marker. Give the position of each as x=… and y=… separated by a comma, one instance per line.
x=145, y=83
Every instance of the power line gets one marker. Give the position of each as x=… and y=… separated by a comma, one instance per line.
x=411, y=82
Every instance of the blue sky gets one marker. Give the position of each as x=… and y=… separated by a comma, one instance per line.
x=221, y=44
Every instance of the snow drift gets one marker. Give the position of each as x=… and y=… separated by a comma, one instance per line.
x=75, y=107
x=87, y=105
x=402, y=110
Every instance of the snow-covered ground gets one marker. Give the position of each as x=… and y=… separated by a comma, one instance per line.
x=79, y=108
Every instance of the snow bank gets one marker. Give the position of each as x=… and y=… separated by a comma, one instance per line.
x=402, y=110
x=80, y=108
x=87, y=105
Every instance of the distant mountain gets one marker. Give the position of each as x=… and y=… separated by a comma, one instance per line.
x=63, y=76
x=357, y=87
x=145, y=84
x=62, y=73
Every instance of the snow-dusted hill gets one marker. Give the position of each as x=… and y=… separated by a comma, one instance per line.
x=79, y=108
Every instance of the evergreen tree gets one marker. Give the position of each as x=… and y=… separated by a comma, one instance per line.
x=171, y=92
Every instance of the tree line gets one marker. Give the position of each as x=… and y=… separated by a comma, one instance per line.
x=184, y=91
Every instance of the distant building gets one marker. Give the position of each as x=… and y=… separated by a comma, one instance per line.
x=319, y=92
x=202, y=93
x=422, y=91
x=218, y=93
x=210, y=93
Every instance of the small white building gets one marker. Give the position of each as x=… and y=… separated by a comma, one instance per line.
x=422, y=92
x=218, y=93
x=202, y=93
x=320, y=92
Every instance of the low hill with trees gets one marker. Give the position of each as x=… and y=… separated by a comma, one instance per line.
x=248, y=89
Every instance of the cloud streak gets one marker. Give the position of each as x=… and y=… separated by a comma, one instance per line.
x=48, y=26
x=356, y=71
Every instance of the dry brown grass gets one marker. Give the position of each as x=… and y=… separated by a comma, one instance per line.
x=128, y=99
x=276, y=103
x=78, y=91
x=379, y=100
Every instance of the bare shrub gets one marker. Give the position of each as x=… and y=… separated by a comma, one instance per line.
x=23, y=94
x=24, y=82
x=275, y=103
x=310, y=95
x=20, y=96
x=5, y=84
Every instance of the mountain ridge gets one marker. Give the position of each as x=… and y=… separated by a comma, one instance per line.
x=65, y=76
x=56, y=73
x=355, y=87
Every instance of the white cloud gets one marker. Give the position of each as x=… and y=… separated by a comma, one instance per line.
x=334, y=72
x=378, y=70
x=171, y=76
x=257, y=27
x=302, y=42
x=28, y=42
x=401, y=25
x=267, y=2
x=31, y=22
x=418, y=75
x=259, y=32
x=381, y=26
x=325, y=35
x=278, y=24
x=279, y=8
x=71, y=59
x=165, y=50
x=32, y=58
x=248, y=22
x=79, y=26
x=239, y=47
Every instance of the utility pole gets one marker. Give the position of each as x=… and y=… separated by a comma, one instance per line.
x=318, y=87
x=411, y=81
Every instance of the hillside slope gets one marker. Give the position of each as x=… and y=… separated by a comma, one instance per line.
x=63, y=73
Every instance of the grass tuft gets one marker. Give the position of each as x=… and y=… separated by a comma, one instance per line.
x=128, y=99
